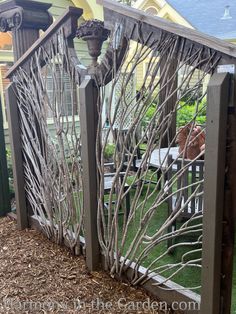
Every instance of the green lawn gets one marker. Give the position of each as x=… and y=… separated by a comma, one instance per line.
x=189, y=277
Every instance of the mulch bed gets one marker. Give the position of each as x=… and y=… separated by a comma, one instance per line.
x=35, y=271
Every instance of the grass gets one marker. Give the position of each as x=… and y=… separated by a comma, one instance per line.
x=189, y=277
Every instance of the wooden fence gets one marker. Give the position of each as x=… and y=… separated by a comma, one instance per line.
x=68, y=196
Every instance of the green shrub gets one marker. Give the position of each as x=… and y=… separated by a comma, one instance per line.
x=10, y=173
x=109, y=151
x=187, y=113
x=9, y=163
x=191, y=96
x=148, y=115
x=151, y=111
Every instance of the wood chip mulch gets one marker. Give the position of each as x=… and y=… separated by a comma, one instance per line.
x=35, y=272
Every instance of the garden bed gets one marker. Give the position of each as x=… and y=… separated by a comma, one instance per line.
x=34, y=271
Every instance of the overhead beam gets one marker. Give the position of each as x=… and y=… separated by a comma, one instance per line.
x=115, y=12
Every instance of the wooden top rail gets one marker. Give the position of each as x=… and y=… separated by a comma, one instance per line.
x=72, y=14
x=113, y=11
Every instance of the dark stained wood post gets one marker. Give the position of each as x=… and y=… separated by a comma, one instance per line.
x=229, y=215
x=214, y=192
x=24, y=19
x=88, y=94
x=5, y=205
x=170, y=104
x=17, y=157
x=94, y=33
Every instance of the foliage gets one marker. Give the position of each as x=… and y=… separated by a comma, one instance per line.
x=9, y=162
x=109, y=151
x=186, y=113
x=10, y=172
x=192, y=95
x=148, y=115
x=151, y=111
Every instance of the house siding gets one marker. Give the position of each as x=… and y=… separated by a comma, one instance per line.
x=6, y=56
x=3, y=85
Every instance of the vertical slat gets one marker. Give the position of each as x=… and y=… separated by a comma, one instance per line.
x=5, y=206
x=179, y=179
x=218, y=99
x=88, y=120
x=170, y=104
x=17, y=157
x=185, y=186
x=193, y=180
x=201, y=172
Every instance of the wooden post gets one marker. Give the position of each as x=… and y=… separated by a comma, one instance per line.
x=229, y=215
x=214, y=192
x=88, y=125
x=24, y=19
x=169, y=106
x=17, y=157
x=5, y=205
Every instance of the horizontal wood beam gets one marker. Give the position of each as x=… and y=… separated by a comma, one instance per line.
x=71, y=14
x=113, y=11
x=170, y=292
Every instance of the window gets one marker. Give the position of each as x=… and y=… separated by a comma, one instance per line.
x=4, y=67
x=60, y=87
x=151, y=11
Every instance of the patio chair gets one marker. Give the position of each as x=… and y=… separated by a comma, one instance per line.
x=108, y=182
x=191, y=173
